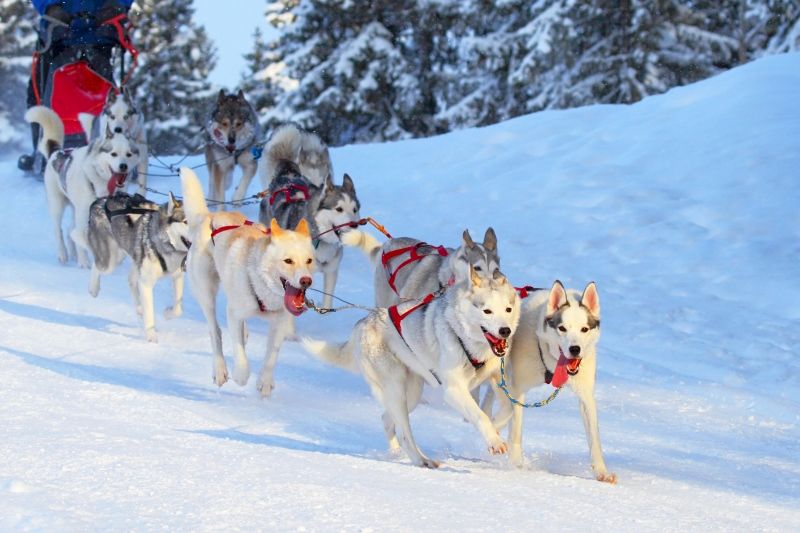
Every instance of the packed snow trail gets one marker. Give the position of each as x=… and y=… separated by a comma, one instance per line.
x=683, y=208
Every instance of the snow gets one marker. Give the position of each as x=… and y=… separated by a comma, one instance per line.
x=683, y=208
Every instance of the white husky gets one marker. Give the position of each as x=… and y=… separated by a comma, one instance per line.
x=555, y=343
x=80, y=177
x=455, y=340
x=264, y=272
x=121, y=115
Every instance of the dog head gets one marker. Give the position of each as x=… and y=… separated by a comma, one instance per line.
x=175, y=224
x=482, y=258
x=313, y=158
x=572, y=321
x=339, y=205
x=233, y=123
x=121, y=115
x=491, y=308
x=114, y=155
x=289, y=259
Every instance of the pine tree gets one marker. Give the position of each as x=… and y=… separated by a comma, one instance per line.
x=171, y=84
x=256, y=82
x=17, y=41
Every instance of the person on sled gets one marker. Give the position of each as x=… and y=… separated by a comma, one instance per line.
x=69, y=31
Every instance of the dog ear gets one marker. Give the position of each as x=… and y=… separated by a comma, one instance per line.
x=468, y=239
x=557, y=298
x=111, y=97
x=490, y=240
x=328, y=184
x=221, y=96
x=240, y=95
x=109, y=133
x=590, y=299
x=275, y=230
x=171, y=204
x=302, y=228
x=474, y=277
x=348, y=185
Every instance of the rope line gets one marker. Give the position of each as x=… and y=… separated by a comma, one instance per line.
x=504, y=387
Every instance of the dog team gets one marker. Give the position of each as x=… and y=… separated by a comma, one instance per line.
x=443, y=317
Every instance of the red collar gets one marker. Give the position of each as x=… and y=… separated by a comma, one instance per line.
x=288, y=192
x=217, y=231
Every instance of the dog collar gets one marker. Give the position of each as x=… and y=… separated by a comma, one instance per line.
x=475, y=364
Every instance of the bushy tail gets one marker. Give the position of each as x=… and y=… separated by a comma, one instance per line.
x=363, y=241
x=336, y=354
x=87, y=123
x=194, y=202
x=284, y=144
x=52, y=128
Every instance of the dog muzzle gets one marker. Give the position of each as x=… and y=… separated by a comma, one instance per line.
x=294, y=299
x=498, y=345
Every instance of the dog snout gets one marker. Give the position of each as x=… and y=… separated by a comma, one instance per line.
x=504, y=332
x=574, y=351
x=231, y=140
x=123, y=167
x=118, y=129
x=305, y=282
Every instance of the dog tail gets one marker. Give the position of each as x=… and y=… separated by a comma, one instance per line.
x=87, y=123
x=284, y=144
x=194, y=202
x=363, y=241
x=336, y=354
x=52, y=128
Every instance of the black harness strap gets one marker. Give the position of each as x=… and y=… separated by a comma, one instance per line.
x=475, y=364
x=548, y=376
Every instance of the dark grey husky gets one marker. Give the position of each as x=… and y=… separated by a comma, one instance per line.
x=328, y=209
x=156, y=237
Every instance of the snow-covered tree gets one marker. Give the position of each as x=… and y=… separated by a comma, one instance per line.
x=256, y=82
x=17, y=41
x=171, y=84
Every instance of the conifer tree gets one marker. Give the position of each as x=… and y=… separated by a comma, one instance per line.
x=17, y=41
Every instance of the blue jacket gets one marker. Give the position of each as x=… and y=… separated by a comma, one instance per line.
x=77, y=6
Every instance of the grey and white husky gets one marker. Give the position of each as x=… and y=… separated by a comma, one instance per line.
x=156, y=237
x=556, y=343
x=121, y=115
x=231, y=132
x=455, y=341
x=328, y=207
x=305, y=148
x=437, y=267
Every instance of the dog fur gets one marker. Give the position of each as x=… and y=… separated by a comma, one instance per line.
x=290, y=142
x=261, y=275
x=231, y=131
x=156, y=237
x=559, y=321
x=432, y=349
x=87, y=177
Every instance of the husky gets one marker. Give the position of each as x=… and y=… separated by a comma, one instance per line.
x=556, y=343
x=121, y=115
x=156, y=237
x=290, y=142
x=80, y=177
x=455, y=341
x=437, y=266
x=264, y=272
x=330, y=210
x=231, y=132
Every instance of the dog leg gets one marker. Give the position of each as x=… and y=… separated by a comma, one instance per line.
x=146, y=282
x=488, y=399
x=585, y=393
x=205, y=285
x=329, y=280
x=142, y=169
x=94, y=281
x=279, y=328
x=217, y=186
x=515, y=432
x=79, y=232
x=236, y=328
x=248, y=171
x=458, y=396
x=176, y=309
x=391, y=434
x=56, y=203
x=133, y=285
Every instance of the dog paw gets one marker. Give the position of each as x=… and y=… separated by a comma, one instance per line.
x=173, y=312
x=607, y=477
x=63, y=258
x=94, y=291
x=241, y=375
x=265, y=386
x=498, y=447
x=220, y=376
x=515, y=456
x=428, y=463
x=150, y=334
x=139, y=310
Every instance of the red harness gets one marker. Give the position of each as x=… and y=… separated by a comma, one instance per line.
x=397, y=317
x=217, y=231
x=413, y=256
x=288, y=192
x=525, y=291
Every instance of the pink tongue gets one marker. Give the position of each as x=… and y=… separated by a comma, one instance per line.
x=560, y=375
x=294, y=300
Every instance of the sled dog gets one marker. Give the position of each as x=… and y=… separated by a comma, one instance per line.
x=328, y=208
x=231, y=132
x=156, y=237
x=455, y=340
x=80, y=177
x=263, y=271
x=437, y=266
x=290, y=142
x=556, y=343
x=121, y=115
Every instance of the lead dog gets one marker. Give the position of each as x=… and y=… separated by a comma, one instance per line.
x=455, y=340
x=156, y=237
x=264, y=273
x=556, y=342
x=79, y=177
x=231, y=132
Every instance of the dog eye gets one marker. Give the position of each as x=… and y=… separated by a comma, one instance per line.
x=111, y=116
x=125, y=116
x=508, y=309
x=355, y=210
x=487, y=311
x=584, y=329
x=288, y=261
x=562, y=328
x=308, y=261
x=339, y=209
x=477, y=269
x=113, y=154
x=128, y=154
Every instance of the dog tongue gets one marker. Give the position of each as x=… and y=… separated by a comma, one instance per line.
x=294, y=299
x=560, y=375
x=117, y=180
